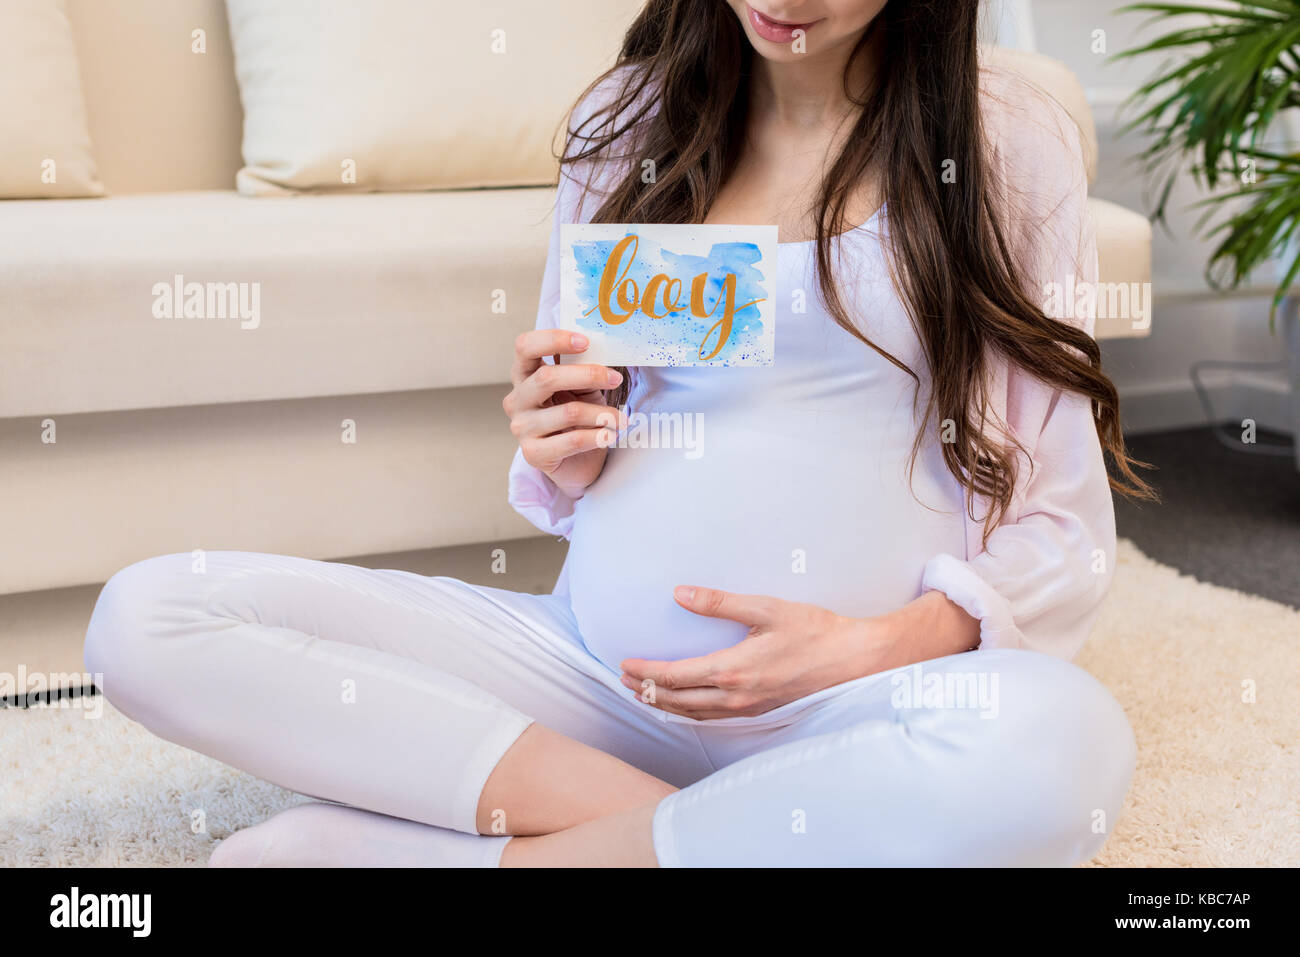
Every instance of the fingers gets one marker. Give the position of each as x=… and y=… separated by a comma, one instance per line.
x=699, y=703
x=532, y=347
x=535, y=391
x=561, y=418
x=548, y=453
x=752, y=610
x=688, y=673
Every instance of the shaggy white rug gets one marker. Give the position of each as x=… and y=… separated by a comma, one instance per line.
x=1209, y=678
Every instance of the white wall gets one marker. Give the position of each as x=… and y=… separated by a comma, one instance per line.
x=1190, y=322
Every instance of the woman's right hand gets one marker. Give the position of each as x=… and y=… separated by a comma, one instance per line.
x=558, y=412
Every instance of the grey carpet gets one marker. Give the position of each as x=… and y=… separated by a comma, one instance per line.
x=1225, y=517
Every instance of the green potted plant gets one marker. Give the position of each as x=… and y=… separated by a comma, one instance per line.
x=1219, y=108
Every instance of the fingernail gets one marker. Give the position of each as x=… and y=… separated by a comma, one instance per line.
x=578, y=341
x=613, y=378
x=684, y=594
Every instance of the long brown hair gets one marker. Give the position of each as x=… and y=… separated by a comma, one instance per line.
x=683, y=97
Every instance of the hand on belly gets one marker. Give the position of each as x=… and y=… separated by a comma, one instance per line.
x=791, y=650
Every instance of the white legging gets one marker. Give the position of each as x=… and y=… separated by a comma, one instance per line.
x=397, y=693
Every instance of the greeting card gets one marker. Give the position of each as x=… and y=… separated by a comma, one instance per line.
x=670, y=294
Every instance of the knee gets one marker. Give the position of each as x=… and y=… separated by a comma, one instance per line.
x=1075, y=750
x=130, y=620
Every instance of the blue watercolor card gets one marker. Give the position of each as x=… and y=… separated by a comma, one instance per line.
x=669, y=294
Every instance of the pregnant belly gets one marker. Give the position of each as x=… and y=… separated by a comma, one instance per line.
x=847, y=535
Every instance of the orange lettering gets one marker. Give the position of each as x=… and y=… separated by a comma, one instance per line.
x=610, y=276
x=615, y=281
x=728, y=313
x=671, y=290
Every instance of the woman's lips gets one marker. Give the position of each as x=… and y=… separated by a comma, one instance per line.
x=774, y=30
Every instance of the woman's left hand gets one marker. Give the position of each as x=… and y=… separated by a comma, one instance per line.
x=791, y=651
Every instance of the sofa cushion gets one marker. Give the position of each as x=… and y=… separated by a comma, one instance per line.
x=352, y=294
x=160, y=89
x=44, y=145
x=409, y=94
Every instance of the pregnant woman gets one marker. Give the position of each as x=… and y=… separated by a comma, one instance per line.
x=841, y=634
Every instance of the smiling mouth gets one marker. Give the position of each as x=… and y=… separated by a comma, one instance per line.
x=777, y=31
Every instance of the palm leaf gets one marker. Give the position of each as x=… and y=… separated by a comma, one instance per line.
x=1212, y=108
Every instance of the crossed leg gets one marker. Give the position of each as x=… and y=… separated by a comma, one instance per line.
x=388, y=692
x=421, y=699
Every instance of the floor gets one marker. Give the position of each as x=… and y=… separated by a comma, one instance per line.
x=1227, y=517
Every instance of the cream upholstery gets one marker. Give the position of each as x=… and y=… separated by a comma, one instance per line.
x=182, y=434
x=407, y=94
x=1124, y=256
x=260, y=476
x=358, y=294
x=44, y=143
x=162, y=118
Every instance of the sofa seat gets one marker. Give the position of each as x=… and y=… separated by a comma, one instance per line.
x=357, y=294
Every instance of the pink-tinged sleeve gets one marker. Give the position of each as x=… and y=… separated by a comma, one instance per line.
x=535, y=497
x=530, y=492
x=1039, y=582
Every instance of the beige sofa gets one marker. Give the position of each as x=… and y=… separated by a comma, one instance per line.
x=184, y=435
